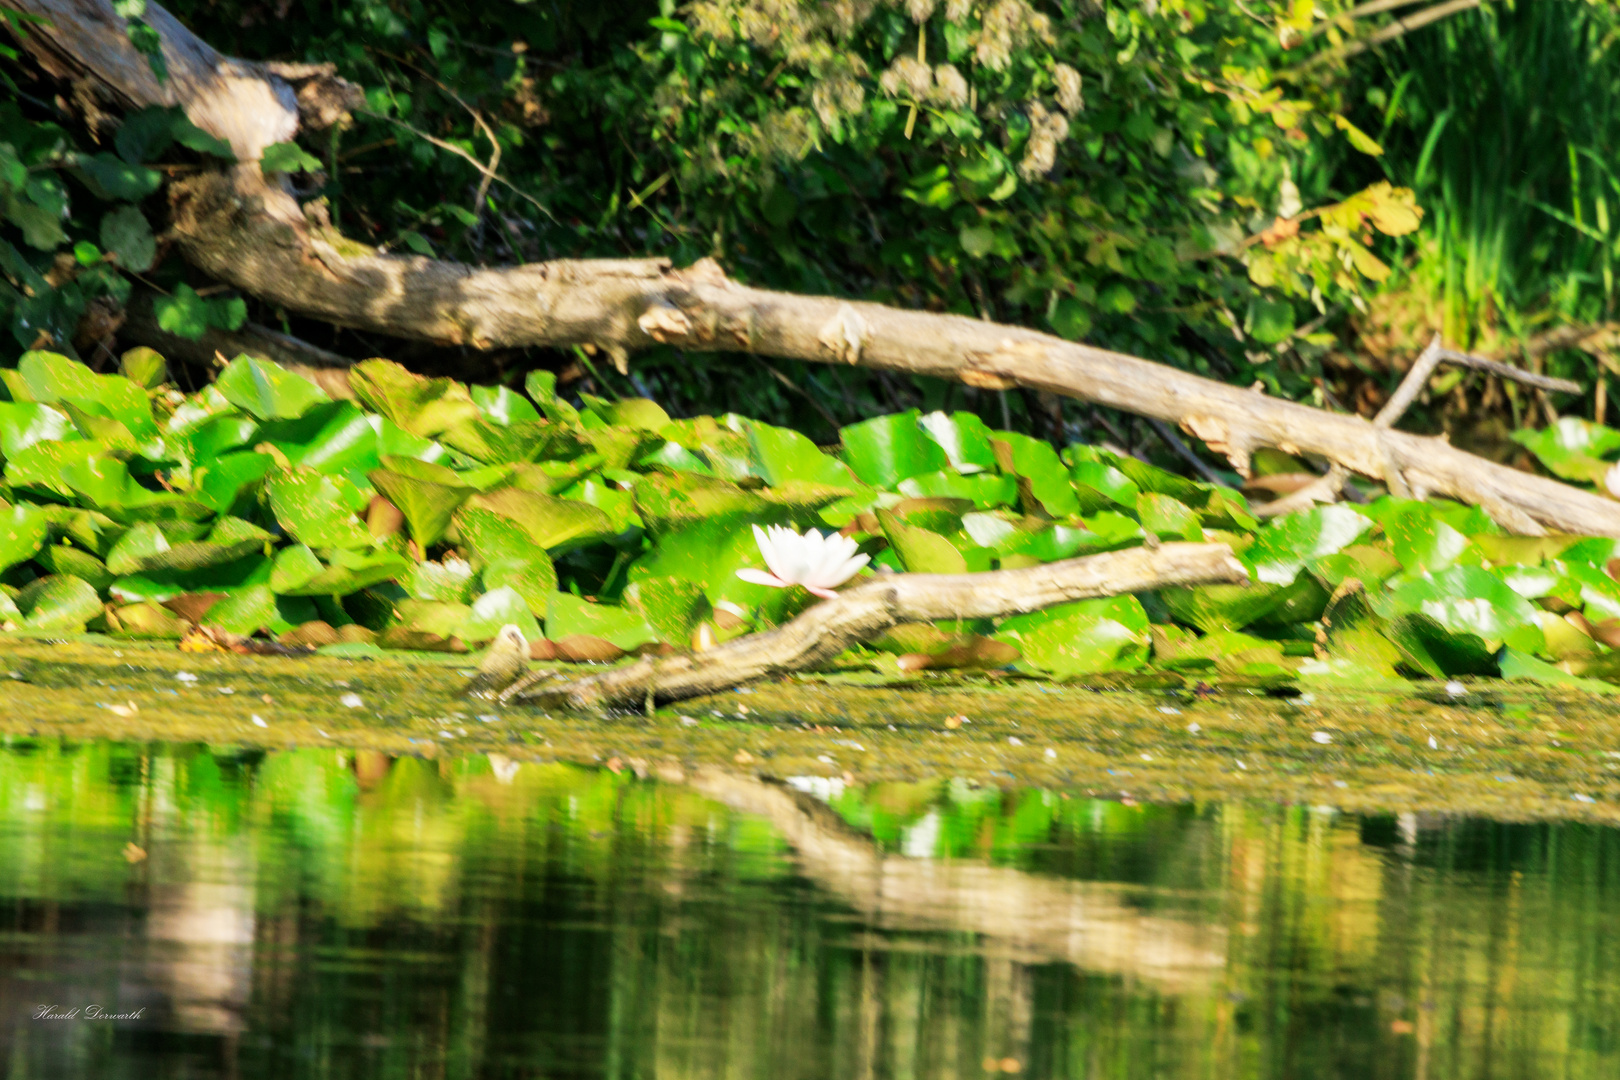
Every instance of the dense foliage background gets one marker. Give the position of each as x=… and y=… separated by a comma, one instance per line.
x=1100, y=170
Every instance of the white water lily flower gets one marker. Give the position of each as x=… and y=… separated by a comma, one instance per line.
x=1611, y=480
x=819, y=563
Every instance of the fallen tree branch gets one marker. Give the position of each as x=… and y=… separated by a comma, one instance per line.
x=871, y=608
x=249, y=231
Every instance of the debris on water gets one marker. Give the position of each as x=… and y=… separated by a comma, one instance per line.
x=227, y=689
x=185, y=676
x=1433, y=745
x=1169, y=710
x=1015, y=740
x=350, y=701
x=258, y=721
x=1194, y=728
x=1580, y=797
x=1321, y=737
x=1051, y=754
x=1455, y=688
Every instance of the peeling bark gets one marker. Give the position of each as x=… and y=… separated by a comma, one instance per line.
x=251, y=232
x=871, y=608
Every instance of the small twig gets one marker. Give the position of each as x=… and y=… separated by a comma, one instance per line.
x=1360, y=11
x=826, y=414
x=1411, y=385
x=1183, y=451
x=871, y=608
x=1400, y=26
x=1508, y=371
x=465, y=156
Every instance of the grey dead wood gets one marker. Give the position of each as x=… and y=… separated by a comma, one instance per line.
x=873, y=607
x=249, y=231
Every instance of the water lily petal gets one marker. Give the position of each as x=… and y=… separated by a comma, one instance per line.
x=760, y=577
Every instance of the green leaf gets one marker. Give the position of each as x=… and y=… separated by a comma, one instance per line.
x=221, y=482
x=672, y=606
x=977, y=240
x=1081, y=638
x=1518, y=665
x=318, y=510
x=1070, y=317
x=1167, y=518
x=964, y=438
x=985, y=490
x=24, y=423
x=288, y=157
x=267, y=391
x=145, y=134
x=1269, y=321
x=452, y=580
x=1034, y=460
x=422, y=494
x=541, y=386
x=135, y=547
x=23, y=529
x=113, y=180
x=245, y=611
x=1099, y=485
x=551, y=523
x=295, y=566
x=1468, y=600
x=59, y=602
x=782, y=454
x=506, y=556
x=501, y=405
x=496, y=609
x=1572, y=448
x=1420, y=539
x=351, y=569
x=144, y=367
x=888, y=449
x=1286, y=544
x=187, y=315
x=126, y=234
x=53, y=378
x=921, y=551
x=568, y=615
x=424, y=407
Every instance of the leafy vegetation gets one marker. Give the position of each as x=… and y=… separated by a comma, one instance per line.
x=426, y=513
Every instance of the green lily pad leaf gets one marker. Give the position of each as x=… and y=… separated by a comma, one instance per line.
x=672, y=606
x=349, y=570
x=140, y=543
x=23, y=529
x=546, y=477
x=1420, y=539
x=66, y=559
x=1034, y=461
x=1522, y=550
x=1372, y=566
x=434, y=617
x=318, y=510
x=506, y=556
x=569, y=615
x=1214, y=608
x=1522, y=666
x=541, y=386
x=1286, y=544
x=58, y=602
x=1572, y=448
x=921, y=551
x=496, y=609
x=52, y=377
x=1595, y=591
x=245, y=611
x=669, y=502
x=144, y=622
x=421, y=494
x=1469, y=600
x=423, y=407
x=144, y=367
x=501, y=405
x=221, y=482
x=781, y=455
x=204, y=441
x=964, y=438
x=552, y=523
x=1167, y=518
x=267, y=391
x=639, y=413
x=985, y=490
x=295, y=566
x=1081, y=638
x=1100, y=486
x=452, y=580
x=24, y=423
x=888, y=449
x=618, y=505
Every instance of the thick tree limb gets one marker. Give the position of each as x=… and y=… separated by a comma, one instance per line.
x=252, y=234
x=869, y=609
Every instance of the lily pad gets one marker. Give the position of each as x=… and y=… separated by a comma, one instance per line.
x=267, y=391
x=1081, y=638
x=888, y=449
x=58, y=602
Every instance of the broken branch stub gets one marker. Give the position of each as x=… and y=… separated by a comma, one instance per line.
x=250, y=232
x=873, y=607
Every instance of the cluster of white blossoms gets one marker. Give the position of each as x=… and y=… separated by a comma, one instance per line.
x=819, y=563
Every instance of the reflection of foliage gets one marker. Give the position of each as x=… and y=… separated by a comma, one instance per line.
x=447, y=915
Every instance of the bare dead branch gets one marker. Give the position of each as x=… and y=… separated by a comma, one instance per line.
x=869, y=609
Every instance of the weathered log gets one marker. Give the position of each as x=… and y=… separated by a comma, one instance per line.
x=252, y=233
x=871, y=608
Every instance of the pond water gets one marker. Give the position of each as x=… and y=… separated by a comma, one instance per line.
x=340, y=912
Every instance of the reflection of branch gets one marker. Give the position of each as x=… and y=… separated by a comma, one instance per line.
x=1034, y=918
x=867, y=610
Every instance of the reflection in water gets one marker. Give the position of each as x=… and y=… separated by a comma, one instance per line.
x=332, y=914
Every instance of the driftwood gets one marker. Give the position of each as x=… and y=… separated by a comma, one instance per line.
x=867, y=610
x=250, y=231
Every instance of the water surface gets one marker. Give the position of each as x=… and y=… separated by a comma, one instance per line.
x=329, y=912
